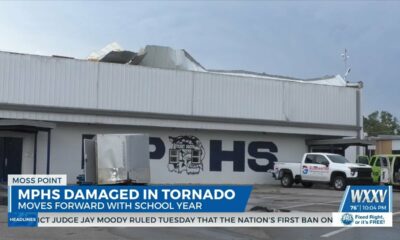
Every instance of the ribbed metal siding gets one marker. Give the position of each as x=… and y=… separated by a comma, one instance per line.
x=35, y=80
x=135, y=88
x=320, y=104
x=238, y=97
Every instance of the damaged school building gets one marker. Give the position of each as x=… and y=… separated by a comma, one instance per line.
x=228, y=126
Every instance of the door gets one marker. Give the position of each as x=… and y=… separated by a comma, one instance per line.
x=2, y=162
x=315, y=168
x=396, y=170
x=90, y=161
x=10, y=157
x=376, y=169
x=384, y=164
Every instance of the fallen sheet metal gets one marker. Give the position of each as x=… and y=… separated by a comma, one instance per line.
x=119, y=158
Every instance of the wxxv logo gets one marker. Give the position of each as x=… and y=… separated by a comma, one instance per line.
x=369, y=195
x=367, y=199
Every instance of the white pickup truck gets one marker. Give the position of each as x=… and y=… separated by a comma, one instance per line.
x=324, y=168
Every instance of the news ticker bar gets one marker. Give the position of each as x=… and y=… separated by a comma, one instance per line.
x=247, y=219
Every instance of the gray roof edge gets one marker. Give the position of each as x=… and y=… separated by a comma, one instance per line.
x=385, y=137
x=340, y=141
x=263, y=74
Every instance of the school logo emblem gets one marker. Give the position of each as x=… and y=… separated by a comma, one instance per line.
x=186, y=155
x=305, y=170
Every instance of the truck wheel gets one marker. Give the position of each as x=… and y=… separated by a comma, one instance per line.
x=287, y=180
x=307, y=184
x=339, y=183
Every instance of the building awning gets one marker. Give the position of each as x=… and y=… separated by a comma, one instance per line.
x=26, y=126
x=385, y=138
x=31, y=127
x=341, y=142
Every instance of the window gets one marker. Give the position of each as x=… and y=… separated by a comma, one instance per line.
x=319, y=159
x=173, y=156
x=196, y=156
x=85, y=136
x=373, y=161
x=383, y=162
x=338, y=159
x=378, y=162
x=396, y=165
x=362, y=160
x=310, y=159
x=316, y=159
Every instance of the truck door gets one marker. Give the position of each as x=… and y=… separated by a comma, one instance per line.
x=323, y=168
x=395, y=171
x=307, y=164
x=376, y=170
x=314, y=168
x=385, y=177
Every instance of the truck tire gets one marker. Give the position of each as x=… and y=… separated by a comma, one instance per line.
x=287, y=180
x=307, y=184
x=339, y=183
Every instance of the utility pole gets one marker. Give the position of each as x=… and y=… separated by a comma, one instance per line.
x=347, y=70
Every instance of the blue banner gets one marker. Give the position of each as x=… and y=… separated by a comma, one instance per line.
x=367, y=199
x=22, y=219
x=129, y=198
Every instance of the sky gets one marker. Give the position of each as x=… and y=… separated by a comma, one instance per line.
x=302, y=39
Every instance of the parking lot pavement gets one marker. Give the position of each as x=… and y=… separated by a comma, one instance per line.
x=320, y=198
x=337, y=233
x=317, y=199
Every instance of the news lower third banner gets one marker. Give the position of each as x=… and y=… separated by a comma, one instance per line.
x=47, y=201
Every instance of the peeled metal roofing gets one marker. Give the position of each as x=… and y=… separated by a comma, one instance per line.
x=119, y=57
x=151, y=56
x=327, y=80
x=98, y=55
x=169, y=58
x=179, y=59
x=112, y=53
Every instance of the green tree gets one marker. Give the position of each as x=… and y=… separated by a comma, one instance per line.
x=381, y=123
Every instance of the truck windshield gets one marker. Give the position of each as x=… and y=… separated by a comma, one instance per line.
x=338, y=159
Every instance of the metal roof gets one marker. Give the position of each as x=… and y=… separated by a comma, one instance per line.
x=102, y=89
x=180, y=59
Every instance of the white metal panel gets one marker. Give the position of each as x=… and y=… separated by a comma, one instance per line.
x=50, y=81
x=36, y=80
x=170, y=123
x=142, y=89
x=395, y=145
x=238, y=97
x=320, y=104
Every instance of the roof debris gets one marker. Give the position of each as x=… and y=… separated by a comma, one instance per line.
x=169, y=58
